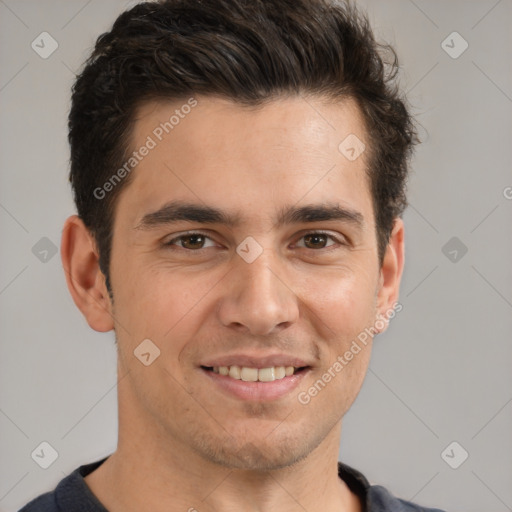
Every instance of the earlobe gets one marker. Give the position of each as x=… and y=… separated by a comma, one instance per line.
x=391, y=274
x=84, y=278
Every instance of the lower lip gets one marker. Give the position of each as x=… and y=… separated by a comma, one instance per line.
x=256, y=391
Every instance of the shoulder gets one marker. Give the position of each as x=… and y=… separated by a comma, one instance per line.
x=44, y=503
x=71, y=494
x=379, y=499
x=376, y=498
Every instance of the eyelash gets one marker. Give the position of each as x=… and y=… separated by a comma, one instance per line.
x=170, y=243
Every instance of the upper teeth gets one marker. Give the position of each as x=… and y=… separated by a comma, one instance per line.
x=255, y=374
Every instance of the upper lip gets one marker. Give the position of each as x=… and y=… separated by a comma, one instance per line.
x=253, y=361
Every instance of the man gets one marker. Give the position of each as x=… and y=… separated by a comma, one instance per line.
x=239, y=170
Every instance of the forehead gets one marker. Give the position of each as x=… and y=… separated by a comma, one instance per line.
x=218, y=152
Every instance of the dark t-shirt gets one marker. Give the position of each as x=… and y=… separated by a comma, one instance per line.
x=73, y=495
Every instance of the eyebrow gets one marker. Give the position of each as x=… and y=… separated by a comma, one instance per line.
x=176, y=211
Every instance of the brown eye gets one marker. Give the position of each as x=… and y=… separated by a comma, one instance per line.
x=317, y=240
x=191, y=242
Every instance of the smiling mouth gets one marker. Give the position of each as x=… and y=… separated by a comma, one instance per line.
x=248, y=374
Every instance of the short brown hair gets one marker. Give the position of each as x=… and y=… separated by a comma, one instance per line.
x=248, y=51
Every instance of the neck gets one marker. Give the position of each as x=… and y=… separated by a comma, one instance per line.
x=152, y=471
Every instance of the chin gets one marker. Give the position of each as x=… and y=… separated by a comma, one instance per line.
x=258, y=455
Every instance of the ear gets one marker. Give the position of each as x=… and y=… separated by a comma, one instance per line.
x=84, y=278
x=391, y=274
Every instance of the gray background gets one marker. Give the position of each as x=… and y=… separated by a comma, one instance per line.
x=442, y=371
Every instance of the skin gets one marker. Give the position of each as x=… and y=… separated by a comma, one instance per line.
x=183, y=442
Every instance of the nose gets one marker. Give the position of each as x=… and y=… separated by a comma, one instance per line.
x=257, y=297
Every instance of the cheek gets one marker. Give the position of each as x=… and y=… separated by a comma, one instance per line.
x=336, y=386
x=343, y=307
x=344, y=310
x=344, y=298
x=158, y=303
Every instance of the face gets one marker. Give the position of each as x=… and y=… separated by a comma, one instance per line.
x=246, y=239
